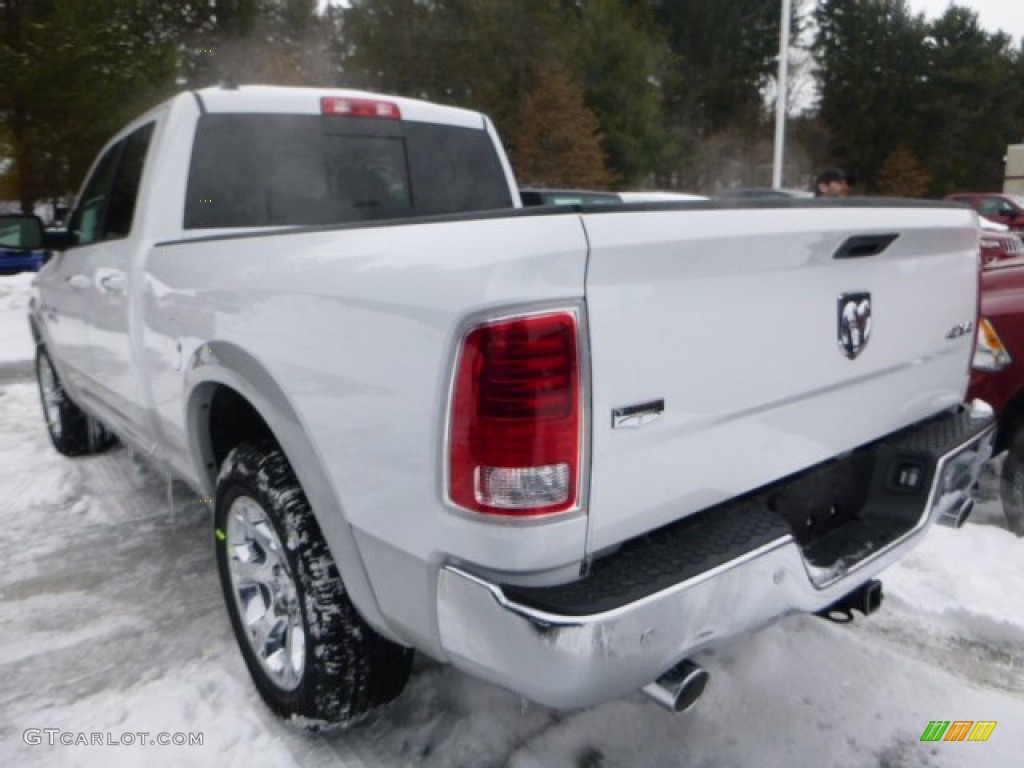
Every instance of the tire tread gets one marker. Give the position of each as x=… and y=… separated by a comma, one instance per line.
x=350, y=669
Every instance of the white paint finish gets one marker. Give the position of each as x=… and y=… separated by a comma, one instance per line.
x=111, y=369
x=63, y=311
x=358, y=328
x=730, y=316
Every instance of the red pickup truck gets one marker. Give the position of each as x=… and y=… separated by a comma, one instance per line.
x=1005, y=209
x=997, y=374
x=997, y=245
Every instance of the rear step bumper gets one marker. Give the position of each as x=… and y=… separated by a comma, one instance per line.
x=596, y=639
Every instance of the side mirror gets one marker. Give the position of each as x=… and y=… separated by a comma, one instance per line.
x=57, y=240
x=21, y=232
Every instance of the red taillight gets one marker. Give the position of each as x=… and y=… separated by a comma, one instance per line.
x=515, y=427
x=340, y=105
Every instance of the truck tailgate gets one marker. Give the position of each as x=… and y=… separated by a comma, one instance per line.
x=718, y=351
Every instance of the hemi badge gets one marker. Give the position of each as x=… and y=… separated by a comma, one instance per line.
x=957, y=331
x=634, y=416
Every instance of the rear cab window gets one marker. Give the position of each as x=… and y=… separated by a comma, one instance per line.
x=258, y=170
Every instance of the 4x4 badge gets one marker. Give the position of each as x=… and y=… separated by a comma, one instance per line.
x=854, y=323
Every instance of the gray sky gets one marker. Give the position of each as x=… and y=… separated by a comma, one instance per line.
x=994, y=15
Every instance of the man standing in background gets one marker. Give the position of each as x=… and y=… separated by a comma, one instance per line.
x=833, y=182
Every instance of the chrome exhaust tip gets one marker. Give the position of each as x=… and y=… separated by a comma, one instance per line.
x=678, y=689
x=867, y=598
x=957, y=514
x=871, y=599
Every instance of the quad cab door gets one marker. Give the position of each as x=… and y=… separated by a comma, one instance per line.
x=92, y=280
x=64, y=287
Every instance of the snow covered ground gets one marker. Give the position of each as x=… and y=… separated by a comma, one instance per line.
x=111, y=623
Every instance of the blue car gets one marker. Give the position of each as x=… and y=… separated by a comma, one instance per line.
x=20, y=244
x=12, y=262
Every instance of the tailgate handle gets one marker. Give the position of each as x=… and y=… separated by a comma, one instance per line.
x=635, y=416
x=864, y=245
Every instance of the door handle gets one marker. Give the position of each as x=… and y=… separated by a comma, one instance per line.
x=113, y=283
x=79, y=282
x=864, y=245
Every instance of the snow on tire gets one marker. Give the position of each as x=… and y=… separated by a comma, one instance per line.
x=310, y=654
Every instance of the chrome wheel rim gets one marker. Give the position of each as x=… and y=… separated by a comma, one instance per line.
x=265, y=593
x=52, y=396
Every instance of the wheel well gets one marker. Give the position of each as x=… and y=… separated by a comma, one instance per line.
x=231, y=421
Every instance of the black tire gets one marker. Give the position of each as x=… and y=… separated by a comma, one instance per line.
x=72, y=431
x=1011, y=483
x=347, y=669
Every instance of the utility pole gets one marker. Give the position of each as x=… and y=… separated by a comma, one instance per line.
x=780, y=97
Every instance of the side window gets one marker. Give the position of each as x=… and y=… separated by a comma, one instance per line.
x=86, y=224
x=125, y=191
x=454, y=169
x=107, y=205
x=989, y=206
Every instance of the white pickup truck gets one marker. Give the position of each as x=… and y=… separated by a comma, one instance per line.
x=563, y=449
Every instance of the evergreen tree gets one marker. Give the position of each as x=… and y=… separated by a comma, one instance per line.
x=279, y=42
x=71, y=73
x=480, y=54
x=945, y=91
x=873, y=71
x=723, y=54
x=559, y=141
x=973, y=103
x=622, y=58
x=901, y=175
x=74, y=71
x=487, y=55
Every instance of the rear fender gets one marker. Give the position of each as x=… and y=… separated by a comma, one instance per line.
x=218, y=364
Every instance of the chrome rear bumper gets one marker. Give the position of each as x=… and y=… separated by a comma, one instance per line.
x=580, y=660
